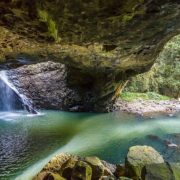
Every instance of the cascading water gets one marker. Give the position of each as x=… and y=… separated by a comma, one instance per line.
x=10, y=98
x=6, y=97
x=9, y=101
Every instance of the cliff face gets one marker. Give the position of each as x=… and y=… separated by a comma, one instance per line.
x=102, y=43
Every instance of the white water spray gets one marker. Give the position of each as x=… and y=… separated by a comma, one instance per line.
x=8, y=90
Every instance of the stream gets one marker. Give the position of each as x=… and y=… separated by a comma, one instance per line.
x=28, y=142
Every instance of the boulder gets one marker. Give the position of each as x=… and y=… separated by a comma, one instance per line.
x=157, y=172
x=56, y=163
x=138, y=157
x=45, y=86
x=163, y=171
x=120, y=170
x=175, y=167
x=110, y=167
x=67, y=168
x=97, y=167
x=82, y=171
x=48, y=176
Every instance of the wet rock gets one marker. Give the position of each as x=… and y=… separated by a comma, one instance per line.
x=56, y=163
x=45, y=85
x=109, y=168
x=48, y=176
x=82, y=171
x=157, y=171
x=163, y=171
x=97, y=167
x=142, y=162
x=52, y=85
x=138, y=157
x=40, y=175
x=120, y=170
x=175, y=167
x=67, y=168
x=53, y=176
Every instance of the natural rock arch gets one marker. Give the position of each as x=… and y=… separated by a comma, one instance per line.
x=102, y=43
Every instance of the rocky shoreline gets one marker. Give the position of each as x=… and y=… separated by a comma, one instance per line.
x=149, y=108
x=141, y=163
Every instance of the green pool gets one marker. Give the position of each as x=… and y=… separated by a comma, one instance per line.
x=28, y=142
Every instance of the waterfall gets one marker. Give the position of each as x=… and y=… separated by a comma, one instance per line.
x=7, y=100
x=10, y=98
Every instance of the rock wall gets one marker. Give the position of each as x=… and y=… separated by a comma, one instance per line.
x=55, y=86
x=45, y=84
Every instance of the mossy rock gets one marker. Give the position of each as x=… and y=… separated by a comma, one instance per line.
x=97, y=167
x=120, y=170
x=48, y=176
x=67, y=168
x=163, y=171
x=82, y=171
x=138, y=157
x=175, y=167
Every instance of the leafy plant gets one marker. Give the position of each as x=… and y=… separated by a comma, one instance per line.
x=51, y=25
x=164, y=76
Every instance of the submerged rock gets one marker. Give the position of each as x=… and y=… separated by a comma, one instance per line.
x=138, y=157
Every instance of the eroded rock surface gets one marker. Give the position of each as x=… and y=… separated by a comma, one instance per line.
x=45, y=84
x=101, y=43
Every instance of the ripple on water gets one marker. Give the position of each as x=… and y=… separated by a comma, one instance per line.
x=30, y=141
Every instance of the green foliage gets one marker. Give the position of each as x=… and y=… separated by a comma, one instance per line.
x=164, y=77
x=130, y=96
x=51, y=25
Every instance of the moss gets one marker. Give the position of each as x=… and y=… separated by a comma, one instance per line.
x=130, y=10
x=130, y=96
x=51, y=25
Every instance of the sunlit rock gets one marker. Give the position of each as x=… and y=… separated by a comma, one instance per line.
x=138, y=157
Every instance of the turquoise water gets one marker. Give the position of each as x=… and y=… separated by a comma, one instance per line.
x=28, y=142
